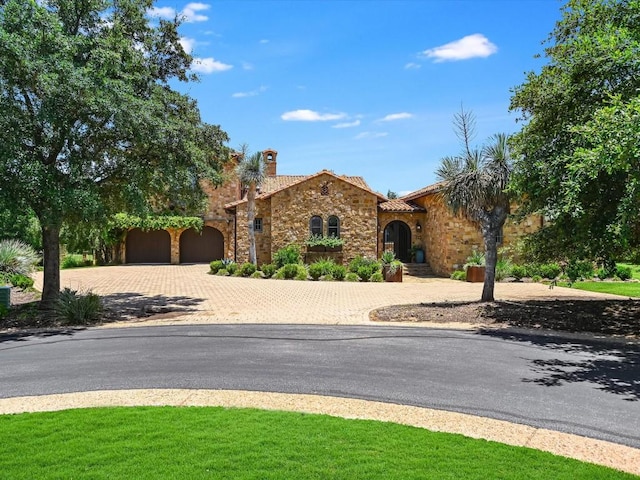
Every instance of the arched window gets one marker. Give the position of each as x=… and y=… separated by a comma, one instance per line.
x=333, y=227
x=315, y=225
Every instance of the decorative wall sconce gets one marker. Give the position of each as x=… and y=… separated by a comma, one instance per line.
x=418, y=227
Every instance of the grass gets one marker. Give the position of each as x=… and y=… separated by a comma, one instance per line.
x=617, y=288
x=193, y=442
x=635, y=269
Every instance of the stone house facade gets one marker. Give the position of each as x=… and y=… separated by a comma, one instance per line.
x=289, y=208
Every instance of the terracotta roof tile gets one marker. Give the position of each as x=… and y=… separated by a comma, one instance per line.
x=398, y=205
x=429, y=189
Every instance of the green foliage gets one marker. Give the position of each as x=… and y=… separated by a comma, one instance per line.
x=90, y=124
x=536, y=278
x=17, y=257
x=365, y=271
x=376, y=277
x=287, y=272
x=74, y=261
x=579, y=270
x=302, y=273
x=327, y=278
x=257, y=274
x=247, y=269
x=322, y=241
x=216, y=266
x=518, y=272
x=268, y=269
x=361, y=261
x=459, y=275
x=351, y=277
x=579, y=147
x=476, y=258
x=339, y=272
x=72, y=308
x=623, y=272
x=503, y=268
x=287, y=255
x=222, y=272
x=627, y=289
x=20, y=225
x=548, y=270
x=321, y=267
x=155, y=222
x=231, y=267
x=387, y=257
x=21, y=281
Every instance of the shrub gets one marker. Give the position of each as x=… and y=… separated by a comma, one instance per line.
x=549, y=270
x=321, y=267
x=623, y=273
x=459, y=275
x=608, y=270
x=476, y=258
x=247, y=269
x=327, y=278
x=360, y=261
x=376, y=277
x=518, y=272
x=215, y=266
x=17, y=257
x=287, y=256
x=338, y=272
x=351, y=277
x=302, y=273
x=578, y=270
x=365, y=271
x=232, y=267
x=257, y=274
x=21, y=281
x=268, y=269
x=287, y=271
x=222, y=272
x=71, y=261
x=503, y=269
x=536, y=278
x=72, y=308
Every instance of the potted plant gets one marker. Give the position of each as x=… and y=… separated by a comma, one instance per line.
x=475, y=267
x=315, y=243
x=333, y=244
x=417, y=253
x=391, y=267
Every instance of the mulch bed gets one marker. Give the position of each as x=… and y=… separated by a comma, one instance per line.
x=611, y=317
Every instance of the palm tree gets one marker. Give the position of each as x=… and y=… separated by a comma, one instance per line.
x=251, y=173
x=474, y=185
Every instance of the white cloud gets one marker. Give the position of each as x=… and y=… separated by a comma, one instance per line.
x=190, y=12
x=396, y=116
x=252, y=93
x=412, y=66
x=167, y=13
x=209, y=65
x=355, y=123
x=471, y=46
x=264, y=40
x=310, y=116
x=187, y=43
x=363, y=135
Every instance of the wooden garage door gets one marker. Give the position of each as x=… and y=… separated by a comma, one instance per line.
x=148, y=247
x=201, y=247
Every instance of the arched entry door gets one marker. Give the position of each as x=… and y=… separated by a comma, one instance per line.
x=148, y=247
x=399, y=234
x=201, y=247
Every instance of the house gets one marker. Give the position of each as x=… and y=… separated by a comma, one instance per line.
x=290, y=208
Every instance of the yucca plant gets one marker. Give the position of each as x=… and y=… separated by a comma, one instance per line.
x=72, y=308
x=17, y=257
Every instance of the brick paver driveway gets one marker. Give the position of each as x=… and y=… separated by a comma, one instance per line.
x=186, y=293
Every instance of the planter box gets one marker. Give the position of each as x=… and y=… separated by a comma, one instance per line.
x=389, y=277
x=334, y=249
x=316, y=248
x=475, y=274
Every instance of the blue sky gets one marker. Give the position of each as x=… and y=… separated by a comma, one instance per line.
x=360, y=87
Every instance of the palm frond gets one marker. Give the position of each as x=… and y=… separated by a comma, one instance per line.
x=251, y=169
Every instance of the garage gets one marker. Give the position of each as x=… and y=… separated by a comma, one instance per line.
x=201, y=247
x=153, y=246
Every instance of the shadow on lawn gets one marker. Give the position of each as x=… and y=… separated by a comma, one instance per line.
x=614, y=368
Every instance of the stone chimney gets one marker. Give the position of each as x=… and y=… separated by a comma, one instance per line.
x=269, y=157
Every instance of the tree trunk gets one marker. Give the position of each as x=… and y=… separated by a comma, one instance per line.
x=51, y=261
x=490, y=259
x=251, y=213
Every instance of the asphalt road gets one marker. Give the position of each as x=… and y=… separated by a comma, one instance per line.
x=582, y=387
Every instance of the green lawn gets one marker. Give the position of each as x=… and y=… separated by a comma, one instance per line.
x=193, y=443
x=618, y=288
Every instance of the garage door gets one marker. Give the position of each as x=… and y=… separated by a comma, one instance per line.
x=153, y=246
x=201, y=247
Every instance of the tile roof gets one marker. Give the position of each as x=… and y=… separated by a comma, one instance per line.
x=429, y=189
x=277, y=183
x=397, y=205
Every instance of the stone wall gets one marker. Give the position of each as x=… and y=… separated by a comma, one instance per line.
x=292, y=208
x=263, y=239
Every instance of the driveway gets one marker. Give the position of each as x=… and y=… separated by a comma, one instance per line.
x=187, y=294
